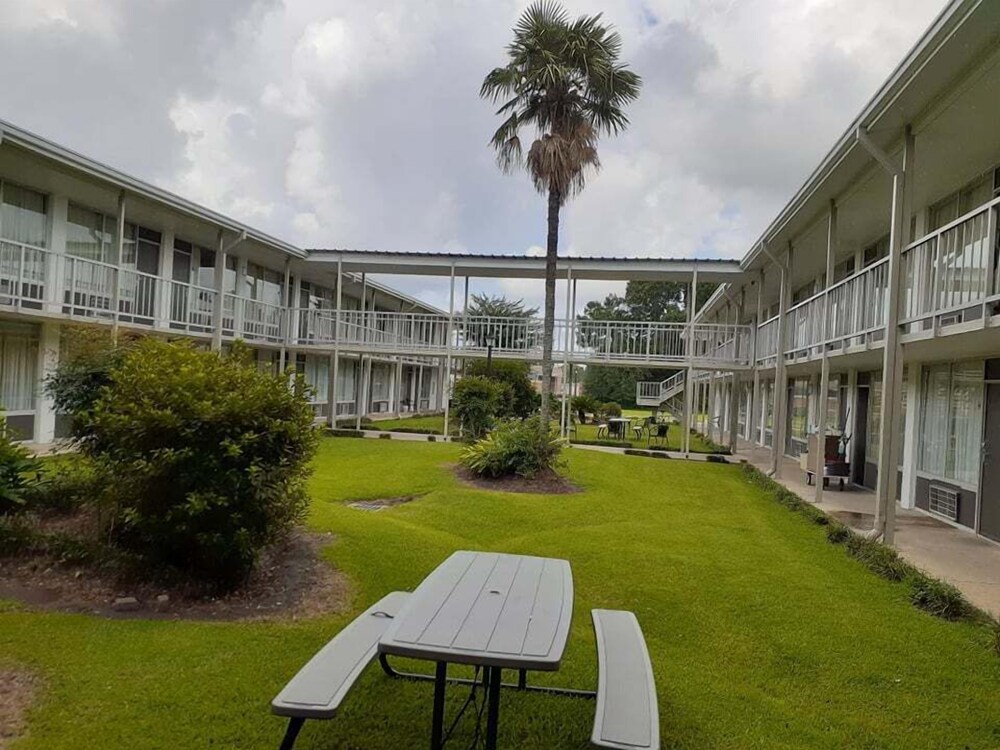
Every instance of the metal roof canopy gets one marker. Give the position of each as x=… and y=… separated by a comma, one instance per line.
x=527, y=267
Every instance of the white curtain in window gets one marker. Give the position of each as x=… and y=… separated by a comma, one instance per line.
x=22, y=215
x=346, y=385
x=966, y=421
x=951, y=421
x=18, y=367
x=874, y=419
x=88, y=234
x=380, y=382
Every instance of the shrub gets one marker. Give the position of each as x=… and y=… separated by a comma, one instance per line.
x=611, y=409
x=514, y=447
x=523, y=400
x=16, y=535
x=68, y=482
x=938, y=598
x=879, y=558
x=203, y=458
x=584, y=405
x=838, y=533
x=477, y=402
x=607, y=443
x=20, y=472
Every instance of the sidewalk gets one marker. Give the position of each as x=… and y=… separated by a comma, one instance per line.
x=955, y=555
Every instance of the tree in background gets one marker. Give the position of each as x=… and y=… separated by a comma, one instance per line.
x=562, y=78
x=514, y=374
x=656, y=301
x=502, y=323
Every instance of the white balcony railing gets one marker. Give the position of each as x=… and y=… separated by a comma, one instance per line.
x=952, y=269
x=22, y=274
x=585, y=340
x=654, y=393
x=767, y=340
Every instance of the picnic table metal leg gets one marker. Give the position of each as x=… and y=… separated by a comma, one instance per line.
x=437, y=719
x=291, y=733
x=493, y=708
x=522, y=679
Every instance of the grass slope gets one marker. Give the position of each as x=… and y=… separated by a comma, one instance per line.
x=762, y=635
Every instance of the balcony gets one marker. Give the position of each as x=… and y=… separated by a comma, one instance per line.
x=577, y=341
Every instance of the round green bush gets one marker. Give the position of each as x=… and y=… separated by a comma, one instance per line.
x=514, y=447
x=203, y=458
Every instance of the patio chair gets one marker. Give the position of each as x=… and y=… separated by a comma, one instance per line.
x=658, y=433
x=602, y=430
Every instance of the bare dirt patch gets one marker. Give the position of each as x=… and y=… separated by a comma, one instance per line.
x=17, y=692
x=544, y=483
x=291, y=581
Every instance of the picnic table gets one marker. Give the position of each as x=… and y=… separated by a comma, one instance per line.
x=489, y=610
x=492, y=611
x=619, y=426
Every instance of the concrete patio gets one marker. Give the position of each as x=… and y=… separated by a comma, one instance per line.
x=953, y=554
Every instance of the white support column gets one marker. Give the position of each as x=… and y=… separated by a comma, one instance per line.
x=165, y=272
x=420, y=387
x=48, y=361
x=283, y=327
x=756, y=407
x=56, y=257
x=219, y=285
x=119, y=253
x=445, y=390
x=892, y=354
x=362, y=405
x=397, y=392
x=335, y=363
x=564, y=411
x=819, y=466
x=911, y=439
x=778, y=430
x=689, y=377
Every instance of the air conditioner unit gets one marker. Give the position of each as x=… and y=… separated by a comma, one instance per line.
x=943, y=501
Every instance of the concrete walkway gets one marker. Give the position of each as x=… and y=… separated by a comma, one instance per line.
x=956, y=555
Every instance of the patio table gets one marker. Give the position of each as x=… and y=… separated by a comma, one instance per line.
x=622, y=425
x=490, y=610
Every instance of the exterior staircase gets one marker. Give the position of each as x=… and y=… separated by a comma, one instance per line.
x=657, y=393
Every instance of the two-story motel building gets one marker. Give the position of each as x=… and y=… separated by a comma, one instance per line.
x=878, y=285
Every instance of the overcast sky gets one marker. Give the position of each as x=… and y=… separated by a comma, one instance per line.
x=340, y=123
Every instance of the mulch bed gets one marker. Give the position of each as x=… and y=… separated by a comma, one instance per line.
x=544, y=483
x=291, y=581
x=17, y=691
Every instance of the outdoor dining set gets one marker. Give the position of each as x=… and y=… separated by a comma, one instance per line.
x=492, y=612
x=653, y=429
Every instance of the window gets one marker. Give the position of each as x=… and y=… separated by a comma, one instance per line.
x=316, y=371
x=141, y=249
x=876, y=251
x=18, y=365
x=798, y=415
x=263, y=284
x=89, y=234
x=22, y=215
x=873, y=428
x=951, y=422
x=981, y=190
x=346, y=380
x=804, y=292
x=843, y=269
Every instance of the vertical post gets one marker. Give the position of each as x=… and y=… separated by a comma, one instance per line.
x=447, y=368
x=165, y=274
x=119, y=252
x=780, y=375
x=756, y=407
x=219, y=283
x=564, y=411
x=911, y=441
x=689, y=377
x=48, y=362
x=362, y=405
x=285, y=321
x=398, y=391
x=335, y=363
x=420, y=385
x=892, y=354
x=824, y=378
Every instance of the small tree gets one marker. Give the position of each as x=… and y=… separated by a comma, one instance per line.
x=523, y=397
x=204, y=457
x=478, y=402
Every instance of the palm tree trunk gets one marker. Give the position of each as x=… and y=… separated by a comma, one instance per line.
x=551, y=255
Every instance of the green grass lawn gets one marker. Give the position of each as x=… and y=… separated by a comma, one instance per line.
x=675, y=435
x=762, y=634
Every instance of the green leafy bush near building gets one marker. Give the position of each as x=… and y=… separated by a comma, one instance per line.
x=514, y=447
x=610, y=409
x=584, y=405
x=202, y=458
x=523, y=400
x=478, y=402
x=20, y=473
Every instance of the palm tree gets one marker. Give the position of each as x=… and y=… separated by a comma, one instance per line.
x=563, y=78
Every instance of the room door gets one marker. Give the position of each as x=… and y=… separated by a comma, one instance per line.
x=989, y=492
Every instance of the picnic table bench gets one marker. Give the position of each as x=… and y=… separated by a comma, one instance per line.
x=494, y=612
